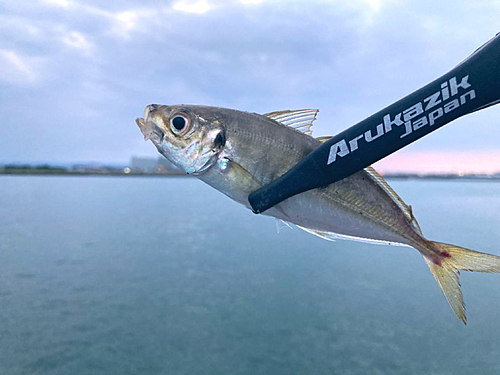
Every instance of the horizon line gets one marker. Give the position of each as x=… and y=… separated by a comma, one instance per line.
x=403, y=161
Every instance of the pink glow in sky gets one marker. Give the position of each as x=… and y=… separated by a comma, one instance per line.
x=441, y=162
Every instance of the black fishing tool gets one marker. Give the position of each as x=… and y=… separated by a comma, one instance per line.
x=472, y=85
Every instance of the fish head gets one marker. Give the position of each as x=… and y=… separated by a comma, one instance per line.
x=188, y=136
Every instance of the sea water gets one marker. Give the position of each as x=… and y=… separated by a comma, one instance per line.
x=110, y=275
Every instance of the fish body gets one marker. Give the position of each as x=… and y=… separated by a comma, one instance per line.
x=238, y=152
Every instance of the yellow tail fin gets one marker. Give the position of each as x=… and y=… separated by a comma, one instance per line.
x=448, y=272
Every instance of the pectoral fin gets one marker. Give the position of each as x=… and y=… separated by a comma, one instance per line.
x=242, y=183
x=239, y=177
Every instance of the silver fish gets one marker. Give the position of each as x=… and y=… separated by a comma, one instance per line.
x=238, y=152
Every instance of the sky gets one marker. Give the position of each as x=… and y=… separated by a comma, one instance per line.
x=75, y=74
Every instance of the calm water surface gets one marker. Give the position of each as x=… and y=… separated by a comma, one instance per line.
x=167, y=276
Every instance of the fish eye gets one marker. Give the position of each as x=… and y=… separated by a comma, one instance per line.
x=179, y=124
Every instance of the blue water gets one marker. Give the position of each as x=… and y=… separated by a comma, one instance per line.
x=168, y=276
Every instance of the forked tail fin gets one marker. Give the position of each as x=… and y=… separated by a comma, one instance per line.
x=448, y=272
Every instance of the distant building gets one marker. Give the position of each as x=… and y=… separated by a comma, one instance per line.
x=144, y=165
x=151, y=165
x=164, y=166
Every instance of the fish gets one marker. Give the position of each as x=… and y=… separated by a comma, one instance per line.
x=238, y=152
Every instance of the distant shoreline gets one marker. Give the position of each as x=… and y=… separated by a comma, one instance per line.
x=85, y=174
x=441, y=177
x=121, y=173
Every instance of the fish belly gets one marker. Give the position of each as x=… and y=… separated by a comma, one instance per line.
x=354, y=207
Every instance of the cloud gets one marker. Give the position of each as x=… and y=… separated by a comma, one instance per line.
x=58, y=3
x=17, y=69
x=125, y=23
x=78, y=41
x=251, y=2
x=85, y=70
x=200, y=6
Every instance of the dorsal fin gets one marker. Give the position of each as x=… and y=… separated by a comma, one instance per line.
x=300, y=120
x=324, y=138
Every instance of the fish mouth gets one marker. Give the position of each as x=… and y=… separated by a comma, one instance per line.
x=150, y=108
x=150, y=130
x=141, y=123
